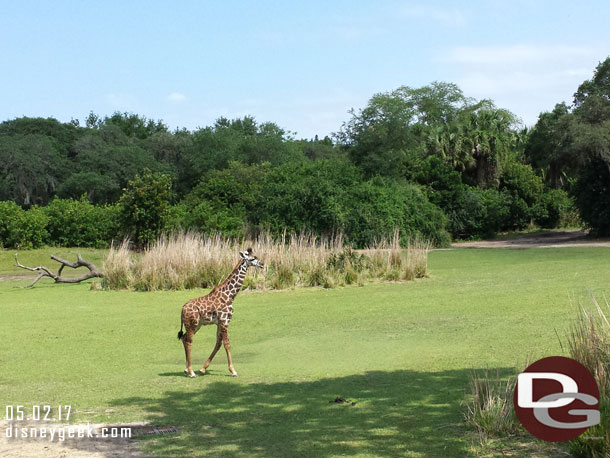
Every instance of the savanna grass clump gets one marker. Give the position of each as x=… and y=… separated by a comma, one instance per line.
x=588, y=341
x=491, y=410
x=189, y=260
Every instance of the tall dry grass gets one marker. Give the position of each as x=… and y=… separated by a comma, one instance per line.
x=588, y=342
x=189, y=260
x=491, y=410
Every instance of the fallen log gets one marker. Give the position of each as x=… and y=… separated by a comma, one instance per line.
x=94, y=272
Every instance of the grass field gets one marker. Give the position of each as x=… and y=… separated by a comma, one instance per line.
x=402, y=352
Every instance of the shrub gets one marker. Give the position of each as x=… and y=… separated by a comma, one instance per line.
x=380, y=206
x=20, y=228
x=78, y=223
x=308, y=197
x=211, y=220
x=144, y=207
x=484, y=212
x=592, y=192
x=525, y=189
x=557, y=209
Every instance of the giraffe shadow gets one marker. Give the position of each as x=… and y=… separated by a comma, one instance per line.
x=388, y=414
x=208, y=374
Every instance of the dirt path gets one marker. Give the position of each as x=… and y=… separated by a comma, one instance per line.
x=549, y=239
x=89, y=447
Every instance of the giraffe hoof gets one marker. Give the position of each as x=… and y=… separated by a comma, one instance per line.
x=191, y=375
x=234, y=374
x=203, y=371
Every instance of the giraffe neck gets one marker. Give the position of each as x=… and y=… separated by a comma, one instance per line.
x=234, y=281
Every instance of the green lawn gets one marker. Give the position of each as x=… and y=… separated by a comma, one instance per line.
x=401, y=351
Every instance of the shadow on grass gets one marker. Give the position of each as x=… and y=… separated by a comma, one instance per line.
x=398, y=413
x=210, y=373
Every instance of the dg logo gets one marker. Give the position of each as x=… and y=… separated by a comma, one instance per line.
x=556, y=399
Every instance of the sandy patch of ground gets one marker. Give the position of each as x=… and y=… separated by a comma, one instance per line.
x=89, y=447
x=549, y=239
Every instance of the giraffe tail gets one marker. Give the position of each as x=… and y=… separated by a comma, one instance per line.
x=180, y=333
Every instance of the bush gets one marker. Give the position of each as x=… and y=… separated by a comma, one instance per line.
x=592, y=192
x=20, y=228
x=444, y=188
x=380, y=206
x=210, y=220
x=525, y=189
x=78, y=223
x=309, y=197
x=556, y=209
x=144, y=207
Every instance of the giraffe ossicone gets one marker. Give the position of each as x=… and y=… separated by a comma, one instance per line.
x=215, y=308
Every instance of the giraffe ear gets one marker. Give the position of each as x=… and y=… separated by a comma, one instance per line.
x=242, y=254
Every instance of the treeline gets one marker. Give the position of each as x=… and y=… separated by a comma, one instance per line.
x=430, y=162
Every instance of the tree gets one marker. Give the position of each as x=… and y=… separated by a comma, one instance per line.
x=144, y=207
x=32, y=168
x=377, y=136
x=243, y=140
x=591, y=143
x=105, y=160
x=395, y=127
x=62, y=135
x=549, y=146
x=133, y=125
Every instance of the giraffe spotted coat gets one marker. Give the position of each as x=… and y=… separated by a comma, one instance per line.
x=215, y=308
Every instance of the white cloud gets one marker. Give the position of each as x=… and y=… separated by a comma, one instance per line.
x=176, y=97
x=448, y=16
x=524, y=78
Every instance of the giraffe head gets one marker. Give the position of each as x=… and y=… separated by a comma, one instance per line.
x=251, y=260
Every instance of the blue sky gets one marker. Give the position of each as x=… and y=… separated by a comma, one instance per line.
x=302, y=65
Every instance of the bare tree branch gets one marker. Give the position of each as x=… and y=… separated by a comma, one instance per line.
x=94, y=272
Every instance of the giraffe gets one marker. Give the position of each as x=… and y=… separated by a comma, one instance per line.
x=215, y=308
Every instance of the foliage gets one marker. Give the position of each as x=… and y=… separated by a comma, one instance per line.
x=548, y=148
x=105, y=160
x=379, y=136
x=380, y=206
x=133, y=125
x=144, y=207
x=525, y=189
x=308, y=197
x=78, y=223
x=208, y=219
x=20, y=228
x=32, y=168
x=557, y=209
x=401, y=162
x=241, y=140
x=592, y=191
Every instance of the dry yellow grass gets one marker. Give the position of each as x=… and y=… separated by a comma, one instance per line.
x=189, y=260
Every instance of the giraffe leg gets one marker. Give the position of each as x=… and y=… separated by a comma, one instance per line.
x=187, y=340
x=216, y=348
x=227, y=344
